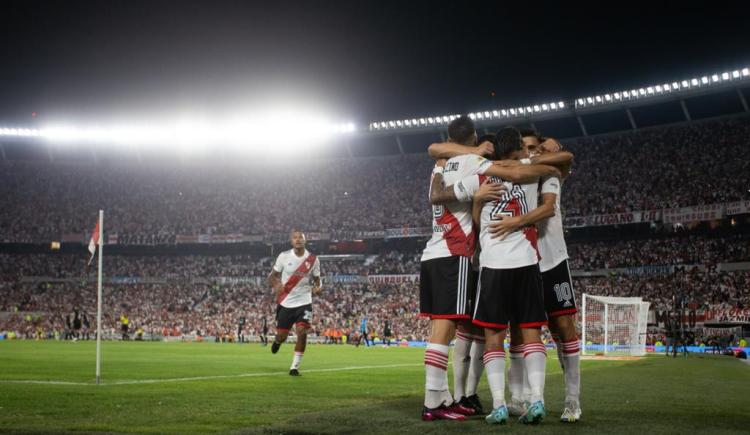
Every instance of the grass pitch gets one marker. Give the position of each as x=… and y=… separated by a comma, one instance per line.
x=220, y=388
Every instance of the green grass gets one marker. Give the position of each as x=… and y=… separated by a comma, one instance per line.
x=699, y=394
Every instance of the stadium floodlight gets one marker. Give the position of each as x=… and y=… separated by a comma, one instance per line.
x=383, y=125
x=487, y=114
x=528, y=109
x=598, y=99
x=422, y=121
x=430, y=120
x=641, y=91
x=725, y=76
x=553, y=106
x=658, y=89
x=650, y=90
x=715, y=78
x=472, y=116
x=675, y=86
x=704, y=80
x=545, y=107
x=625, y=94
x=607, y=97
x=496, y=114
x=685, y=84
x=694, y=82
x=617, y=96
x=407, y=123
x=447, y=119
x=513, y=112
x=561, y=104
x=590, y=100
x=735, y=74
x=504, y=112
x=745, y=72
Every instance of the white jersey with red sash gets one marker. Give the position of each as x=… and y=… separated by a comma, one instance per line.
x=295, y=277
x=452, y=229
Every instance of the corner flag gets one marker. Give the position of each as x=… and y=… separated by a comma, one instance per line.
x=94, y=241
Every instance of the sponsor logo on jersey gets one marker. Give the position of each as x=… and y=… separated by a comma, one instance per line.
x=450, y=167
x=442, y=228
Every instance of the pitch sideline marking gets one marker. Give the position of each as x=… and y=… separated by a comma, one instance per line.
x=205, y=378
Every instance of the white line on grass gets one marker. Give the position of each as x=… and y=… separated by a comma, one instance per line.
x=13, y=381
x=207, y=378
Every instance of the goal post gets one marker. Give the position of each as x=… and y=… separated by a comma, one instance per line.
x=613, y=325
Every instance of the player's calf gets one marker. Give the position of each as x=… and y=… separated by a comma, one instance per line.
x=569, y=350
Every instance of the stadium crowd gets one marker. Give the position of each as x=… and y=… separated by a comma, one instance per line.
x=188, y=298
x=684, y=250
x=643, y=170
x=206, y=296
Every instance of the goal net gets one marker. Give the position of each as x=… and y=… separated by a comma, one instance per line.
x=613, y=326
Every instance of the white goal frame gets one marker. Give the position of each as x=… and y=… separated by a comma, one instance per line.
x=635, y=339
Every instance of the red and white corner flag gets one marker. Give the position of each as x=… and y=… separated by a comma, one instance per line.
x=94, y=241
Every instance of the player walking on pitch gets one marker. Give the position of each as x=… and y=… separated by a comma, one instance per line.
x=294, y=279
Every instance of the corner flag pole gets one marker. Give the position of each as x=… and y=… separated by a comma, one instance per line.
x=99, y=301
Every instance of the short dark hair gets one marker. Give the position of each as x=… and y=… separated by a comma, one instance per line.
x=507, y=141
x=461, y=130
x=486, y=138
x=530, y=132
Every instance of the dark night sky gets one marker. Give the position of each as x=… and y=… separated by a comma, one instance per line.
x=360, y=62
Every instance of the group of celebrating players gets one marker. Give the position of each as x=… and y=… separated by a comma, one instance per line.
x=518, y=277
x=502, y=190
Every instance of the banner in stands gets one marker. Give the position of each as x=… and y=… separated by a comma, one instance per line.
x=649, y=270
x=344, y=279
x=697, y=318
x=393, y=233
x=186, y=239
x=739, y=207
x=631, y=217
x=392, y=279
x=234, y=280
x=73, y=237
x=146, y=239
x=695, y=213
x=728, y=316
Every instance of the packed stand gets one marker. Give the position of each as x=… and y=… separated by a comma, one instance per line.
x=643, y=170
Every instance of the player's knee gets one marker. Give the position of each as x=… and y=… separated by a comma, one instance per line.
x=564, y=327
x=467, y=327
x=443, y=331
x=516, y=336
x=493, y=336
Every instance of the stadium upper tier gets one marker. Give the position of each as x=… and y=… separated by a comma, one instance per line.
x=683, y=165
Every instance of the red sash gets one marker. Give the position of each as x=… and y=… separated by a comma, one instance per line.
x=298, y=274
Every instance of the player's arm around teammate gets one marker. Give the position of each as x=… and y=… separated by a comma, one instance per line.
x=507, y=224
x=441, y=194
